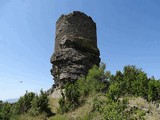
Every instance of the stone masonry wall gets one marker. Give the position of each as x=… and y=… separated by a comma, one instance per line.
x=75, y=49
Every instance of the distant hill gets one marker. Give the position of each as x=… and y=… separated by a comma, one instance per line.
x=12, y=100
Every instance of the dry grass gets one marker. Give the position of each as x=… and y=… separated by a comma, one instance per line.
x=53, y=104
x=81, y=113
x=152, y=113
x=28, y=117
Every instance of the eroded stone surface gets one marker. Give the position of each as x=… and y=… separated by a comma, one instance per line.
x=75, y=48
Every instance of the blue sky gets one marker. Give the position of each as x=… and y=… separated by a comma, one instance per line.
x=128, y=32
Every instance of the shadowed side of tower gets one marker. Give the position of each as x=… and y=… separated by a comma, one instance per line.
x=75, y=49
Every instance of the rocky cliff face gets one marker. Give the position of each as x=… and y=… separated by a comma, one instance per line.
x=75, y=48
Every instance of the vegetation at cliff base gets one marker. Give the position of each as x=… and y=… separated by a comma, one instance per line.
x=128, y=95
x=111, y=94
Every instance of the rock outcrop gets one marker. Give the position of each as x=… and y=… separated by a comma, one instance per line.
x=75, y=48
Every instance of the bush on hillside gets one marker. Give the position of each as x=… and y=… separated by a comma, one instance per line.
x=136, y=81
x=94, y=82
x=109, y=109
x=5, y=110
x=154, y=90
x=29, y=103
x=115, y=91
x=70, y=98
x=23, y=104
x=132, y=81
x=39, y=104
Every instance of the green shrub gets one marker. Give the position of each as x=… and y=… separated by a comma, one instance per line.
x=63, y=105
x=93, y=82
x=70, y=98
x=136, y=81
x=111, y=110
x=98, y=105
x=132, y=81
x=154, y=90
x=115, y=91
x=31, y=103
x=39, y=104
x=115, y=110
x=23, y=104
x=72, y=95
x=5, y=111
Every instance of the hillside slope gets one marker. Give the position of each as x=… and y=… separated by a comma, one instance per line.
x=127, y=95
x=144, y=110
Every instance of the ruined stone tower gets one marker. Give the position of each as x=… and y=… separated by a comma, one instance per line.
x=75, y=49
